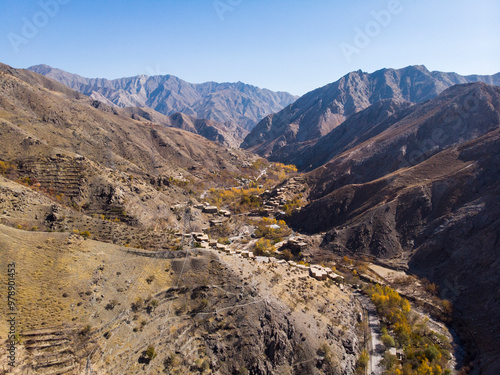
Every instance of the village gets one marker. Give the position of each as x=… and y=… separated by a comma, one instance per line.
x=203, y=241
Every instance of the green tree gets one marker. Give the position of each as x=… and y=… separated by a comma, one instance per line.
x=388, y=341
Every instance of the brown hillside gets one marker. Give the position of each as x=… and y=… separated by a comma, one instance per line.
x=425, y=202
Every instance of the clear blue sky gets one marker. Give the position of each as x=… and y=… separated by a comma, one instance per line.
x=287, y=45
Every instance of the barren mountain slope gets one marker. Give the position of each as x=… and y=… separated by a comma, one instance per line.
x=424, y=194
x=227, y=134
x=101, y=161
x=68, y=120
x=86, y=304
x=320, y=111
x=355, y=130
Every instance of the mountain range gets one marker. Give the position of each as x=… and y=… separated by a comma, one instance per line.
x=318, y=112
x=236, y=103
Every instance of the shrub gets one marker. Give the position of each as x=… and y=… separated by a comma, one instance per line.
x=275, y=279
x=171, y=361
x=388, y=341
x=432, y=353
x=86, y=330
x=362, y=362
x=205, y=366
x=447, y=310
x=431, y=288
x=247, y=202
x=264, y=247
x=150, y=353
x=137, y=305
x=17, y=339
x=224, y=241
x=264, y=229
x=389, y=361
x=323, y=350
x=346, y=261
x=291, y=206
x=3, y=167
x=203, y=304
x=111, y=305
x=287, y=254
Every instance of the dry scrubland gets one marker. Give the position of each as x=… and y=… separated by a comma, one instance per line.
x=112, y=304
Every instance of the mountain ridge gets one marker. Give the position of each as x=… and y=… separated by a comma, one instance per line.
x=318, y=112
x=223, y=102
x=227, y=134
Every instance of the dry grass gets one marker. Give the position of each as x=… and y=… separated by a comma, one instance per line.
x=59, y=282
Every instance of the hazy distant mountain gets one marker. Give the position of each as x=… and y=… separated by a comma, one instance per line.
x=242, y=104
x=227, y=134
x=318, y=112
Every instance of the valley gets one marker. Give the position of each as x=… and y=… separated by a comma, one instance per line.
x=355, y=231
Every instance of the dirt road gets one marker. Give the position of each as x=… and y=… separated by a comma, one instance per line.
x=375, y=345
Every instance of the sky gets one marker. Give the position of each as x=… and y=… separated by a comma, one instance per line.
x=281, y=45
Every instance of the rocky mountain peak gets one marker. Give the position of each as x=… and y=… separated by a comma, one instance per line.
x=320, y=111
